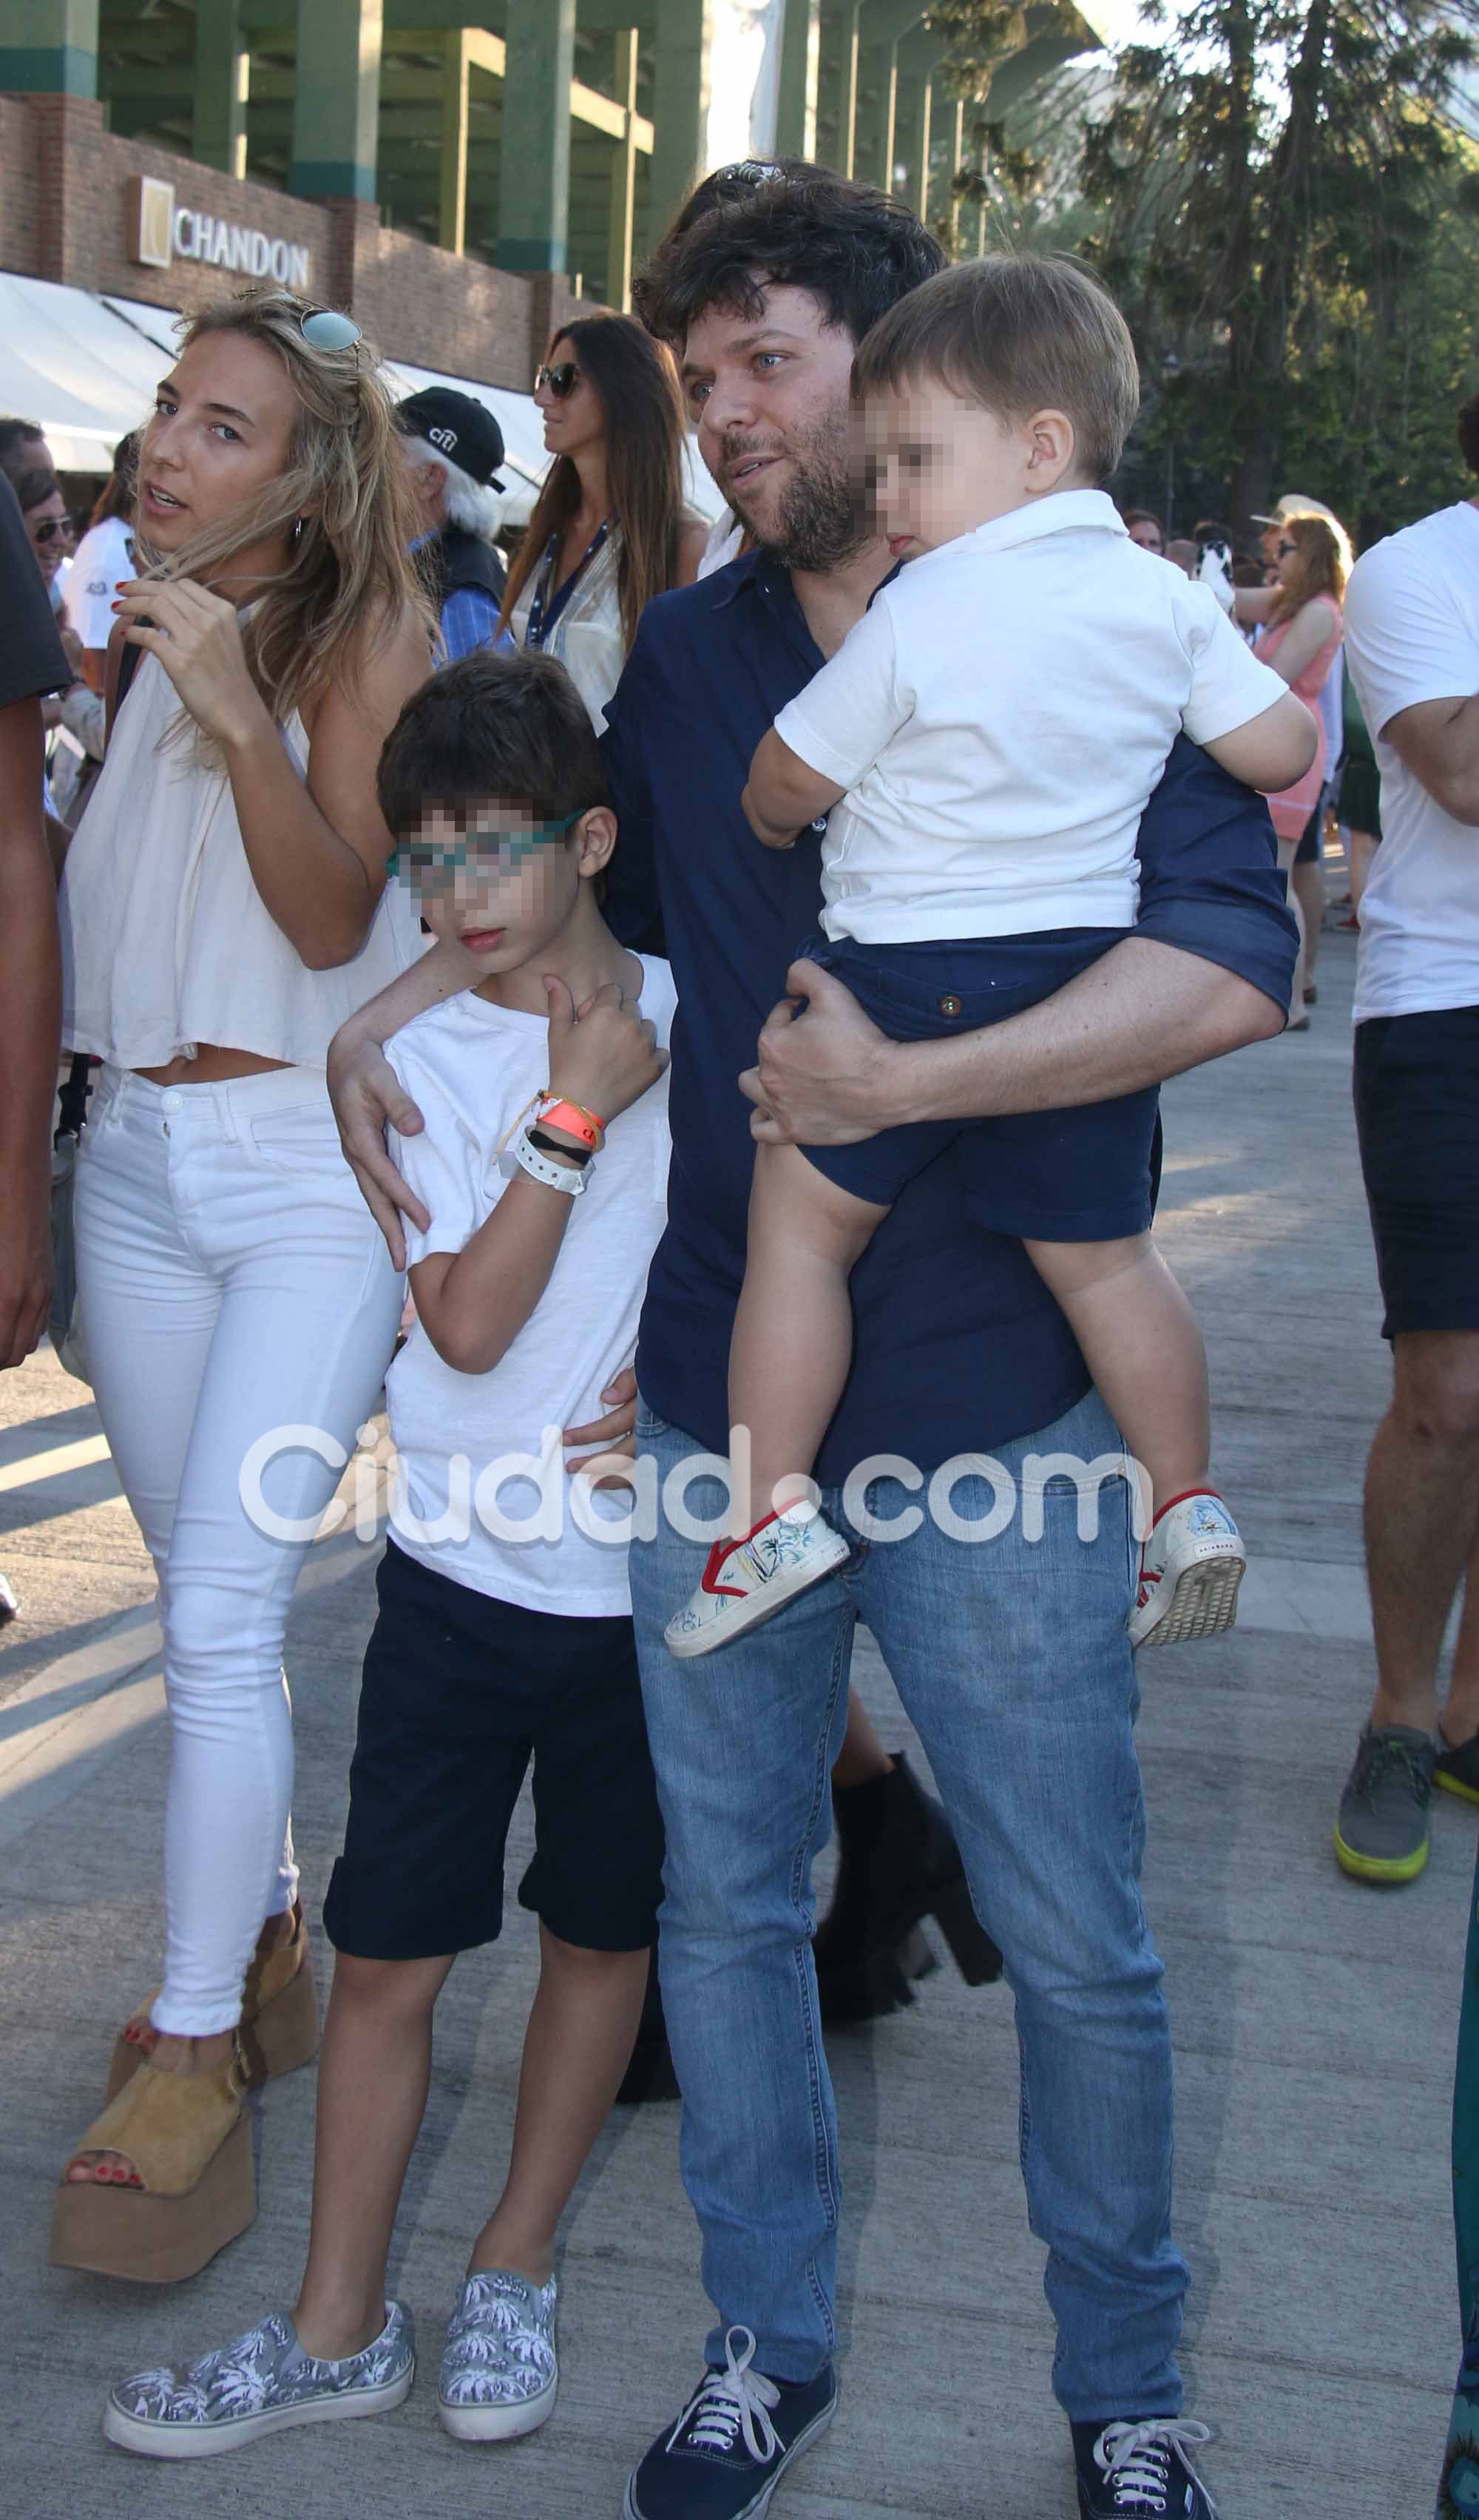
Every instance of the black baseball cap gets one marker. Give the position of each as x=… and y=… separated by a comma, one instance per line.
x=458, y=426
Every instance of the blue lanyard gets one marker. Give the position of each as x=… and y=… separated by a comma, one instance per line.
x=543, y=614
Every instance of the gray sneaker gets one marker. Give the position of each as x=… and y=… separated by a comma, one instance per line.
x=499, y=2375
x=259, y=2383
x=1382, y=1832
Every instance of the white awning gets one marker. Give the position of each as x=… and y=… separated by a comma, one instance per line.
x=67, y=361
x=87, y=368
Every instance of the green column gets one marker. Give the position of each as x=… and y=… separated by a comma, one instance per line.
x=222, y=72
x=335, y=101
x=878, y=89
x=534, y=156
x=801, y=71
x=49, y=47
x=680, y=107
x=845, y=72
x=922, y=106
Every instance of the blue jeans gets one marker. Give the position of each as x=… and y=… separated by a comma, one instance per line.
x=1011, y=1658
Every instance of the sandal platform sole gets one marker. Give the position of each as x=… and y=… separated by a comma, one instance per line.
x=279, y=2039
x=211, y=2441
x=498, y=2423
x=128, y=2232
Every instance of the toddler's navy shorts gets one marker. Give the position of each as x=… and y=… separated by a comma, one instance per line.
x=1078, y=1175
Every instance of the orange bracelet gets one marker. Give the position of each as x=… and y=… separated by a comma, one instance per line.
x=575, y=1120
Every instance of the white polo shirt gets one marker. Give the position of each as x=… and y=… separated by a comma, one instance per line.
x=999, y=718
x=1413, y=629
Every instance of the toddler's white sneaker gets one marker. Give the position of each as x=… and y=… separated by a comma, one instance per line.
x=749, y=1580
x=1191, y=1564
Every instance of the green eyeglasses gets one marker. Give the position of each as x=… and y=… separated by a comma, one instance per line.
x=487, y=852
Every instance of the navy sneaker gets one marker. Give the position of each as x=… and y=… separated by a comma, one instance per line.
x=1143, y=2469
x=733, y=2442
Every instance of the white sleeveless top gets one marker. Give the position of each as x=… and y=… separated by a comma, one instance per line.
x=587, y=636
x=166, y=941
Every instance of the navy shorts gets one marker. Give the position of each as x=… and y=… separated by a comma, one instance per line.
x=1079, y=1174
x=459, y=1694
x=1416, y=1086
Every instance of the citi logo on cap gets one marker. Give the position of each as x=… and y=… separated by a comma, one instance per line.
x=444, y=437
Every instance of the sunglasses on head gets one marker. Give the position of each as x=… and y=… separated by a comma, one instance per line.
x=51, y=527
x=324, y=328
x=561, y=379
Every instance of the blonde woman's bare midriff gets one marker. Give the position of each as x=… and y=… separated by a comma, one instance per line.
x=211, y=1066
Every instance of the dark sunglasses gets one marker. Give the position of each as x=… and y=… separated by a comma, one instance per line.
x=562, y=381
x=1281, y=551
x=51, y=527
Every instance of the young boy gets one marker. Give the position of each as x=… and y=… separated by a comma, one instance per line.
x=988, y=736
x=543, y=1167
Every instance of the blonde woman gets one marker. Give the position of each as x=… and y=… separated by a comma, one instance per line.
x=1303, y=628
x=224, y=908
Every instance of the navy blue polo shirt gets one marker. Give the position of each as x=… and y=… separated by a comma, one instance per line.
x=958, y=1346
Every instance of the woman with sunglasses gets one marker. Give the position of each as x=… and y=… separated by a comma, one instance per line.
x=224, y=908
x=1303, y=629
x=608, y=529
x=47, y=526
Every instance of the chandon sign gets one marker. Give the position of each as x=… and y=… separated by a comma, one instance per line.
x=164, y=233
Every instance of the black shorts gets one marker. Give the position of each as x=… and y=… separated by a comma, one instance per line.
x=1079, y=1174
x=459, y=1692
x=1416, y=1086
x=1311, y=849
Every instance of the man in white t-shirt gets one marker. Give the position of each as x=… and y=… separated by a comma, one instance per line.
x=1412, y=640
x=102, y=559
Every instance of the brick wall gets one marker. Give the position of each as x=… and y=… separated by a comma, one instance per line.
x=66, y=186
x=19, y=199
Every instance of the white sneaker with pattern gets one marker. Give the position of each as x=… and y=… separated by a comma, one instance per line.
x=749, y=1580
x=1191, y=1564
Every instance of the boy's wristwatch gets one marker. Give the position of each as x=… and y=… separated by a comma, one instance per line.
x=522, y=1157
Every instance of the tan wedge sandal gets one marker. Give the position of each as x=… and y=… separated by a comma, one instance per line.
x=279, y=2025
x=191, y=2145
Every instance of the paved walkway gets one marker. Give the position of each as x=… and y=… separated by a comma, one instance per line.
x=1315, y=2021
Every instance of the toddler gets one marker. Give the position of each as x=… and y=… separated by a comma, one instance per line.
x=987, y=737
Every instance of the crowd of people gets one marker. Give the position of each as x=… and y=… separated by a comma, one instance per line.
x=727, y=975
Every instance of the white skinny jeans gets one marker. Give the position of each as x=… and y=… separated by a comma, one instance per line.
x=231, y=1282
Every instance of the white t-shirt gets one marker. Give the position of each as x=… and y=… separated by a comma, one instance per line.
x=999, y=718
x=1412, y=634
x=472, y=1070
x=104, y=558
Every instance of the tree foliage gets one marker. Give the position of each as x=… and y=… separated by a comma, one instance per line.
x=1284, y=201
